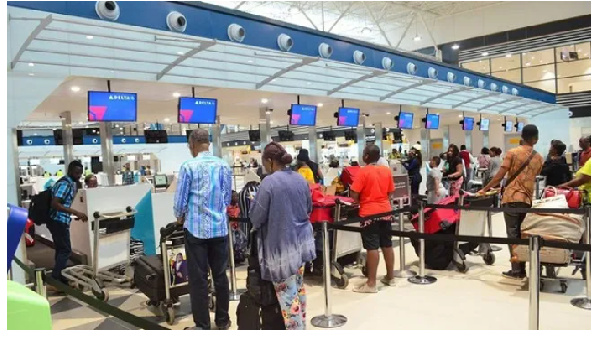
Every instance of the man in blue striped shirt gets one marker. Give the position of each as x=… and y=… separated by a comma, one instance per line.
x=203, y=193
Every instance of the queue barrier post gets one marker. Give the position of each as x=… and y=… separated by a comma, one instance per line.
x=404, y=272
x=327, y=320
x=586, y=302
x=534, y=283
x=40, y=287
x=233, y=293
x=422, y=278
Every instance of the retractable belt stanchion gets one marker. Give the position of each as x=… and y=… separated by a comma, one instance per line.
x=328, y=320
x=534, y=283
x=404, y=272
x=40, y=288
x=586, y=302
x=233, y=294
x=422, y=278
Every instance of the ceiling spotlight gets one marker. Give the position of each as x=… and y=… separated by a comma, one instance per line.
x=417, y=38
x=264, y=100
x=180, y=53
x=250, y=61
x=89, y=37
x=388, y=113
x=31, y=74
x=116, y=126
x=167, y=119
x=31, y=64
x=75, y=89
x=485, y=54
x=508, y=55
x=527, y=64
x=319, y=105
x=460, y=115
x=176, y=95
x=455, y=46
x=269, y=112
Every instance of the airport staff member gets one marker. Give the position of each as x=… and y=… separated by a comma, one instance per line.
x=63, y=194
x=203, y=194
x=127, y=176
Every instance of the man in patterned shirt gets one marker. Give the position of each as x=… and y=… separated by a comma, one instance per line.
x=522, y=164
x=63, y=194
x=203, y=194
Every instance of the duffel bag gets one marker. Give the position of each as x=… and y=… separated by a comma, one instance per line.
x=553, y=226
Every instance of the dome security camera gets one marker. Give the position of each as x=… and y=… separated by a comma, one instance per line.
x=359, y=57
x=176, y=22
x=285, y=42
x=451, y=77
x=432, y=72
x=411, y=68
x=515, y=91
x=108, y=10
x=467, y=81
x=236, y=32
x=387, y=63
x=325, y=50
x=481, y=84
x=505, y=89
x=493, y=87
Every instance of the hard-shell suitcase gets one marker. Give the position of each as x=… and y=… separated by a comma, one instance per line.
x=149, y=278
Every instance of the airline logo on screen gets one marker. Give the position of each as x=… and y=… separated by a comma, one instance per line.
x=296, y=118
x=97, y=112
x=185, y=115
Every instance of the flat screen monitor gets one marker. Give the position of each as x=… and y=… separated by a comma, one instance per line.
x=508, y=126
x=156, y=136
x=285, y=135
x=432, y=121
x=468, y=123
x=303, y=115
x=254, y=135
x=329, y=135
x=349, y=135
x=160, y=181
x=112, y=107
x=405, y=120
x=520, y=126
x=484, y=124
x=348, y=117
x=197, y=110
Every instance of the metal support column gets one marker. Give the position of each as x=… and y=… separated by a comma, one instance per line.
x=361, y=140
x=446, y=141
x=216, y=138
x=404, y=272
x=534, y=283
x=379, y=136
x=586, y=302
x=106, y=143
x=469, y=140
x=265, y=127
x=313, y=150
x=425, y=144
x=422, y=278
x=486, y=139
x=67, y=138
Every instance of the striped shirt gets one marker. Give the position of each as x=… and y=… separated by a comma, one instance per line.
x=65, y=189
x=203, y=194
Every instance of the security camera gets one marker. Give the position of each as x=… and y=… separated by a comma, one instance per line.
x=236, y=32
x=325, y=50
x=176, y=22
x=285, y=42
x=359, y=57
x=387, y=63
x=432, y=73
x=505, y=89
x=108, y=10
x=411, y=68
x=451, y=77
x=493, y=87
x=515, y=91
x=467, y=81
x=481, y=84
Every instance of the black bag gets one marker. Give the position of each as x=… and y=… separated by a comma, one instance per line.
x=438, y=254
x=40, y=207
x=248, y=313
x=271, y=318
x=149, y=277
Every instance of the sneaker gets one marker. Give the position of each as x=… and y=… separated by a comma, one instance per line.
x=224, y=327
x=514, y=274
x=364, y=288
x=388, y=282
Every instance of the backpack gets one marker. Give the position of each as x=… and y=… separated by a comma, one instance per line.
x=41, y=206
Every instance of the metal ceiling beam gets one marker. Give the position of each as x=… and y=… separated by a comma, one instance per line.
x=239, y=5
x=474, y=99
x=429, y=32
x=183, y=57
x=515, y=98
x=341, y=16
x=377, y=23
x=306, y=16
x=403, y=89
x=38, y=29
x=305, y=61
x=412, y=19
x=351, y=82
x=439, y=96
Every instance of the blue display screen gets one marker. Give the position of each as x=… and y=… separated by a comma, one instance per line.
x=432, y=121
x=405, y=121
x=468, y=123
x=520, y=126
x=197, y=110
x=508, y=126
x=303, y=115
x=484, y=124
x=348, y=117
x=112, y=107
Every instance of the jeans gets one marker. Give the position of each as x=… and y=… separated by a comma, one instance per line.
x=203, y=254
x=61, y=236
x=513, y=222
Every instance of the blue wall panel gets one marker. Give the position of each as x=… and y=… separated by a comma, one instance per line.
x=38, y=141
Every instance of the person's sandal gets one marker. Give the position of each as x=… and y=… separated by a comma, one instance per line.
x=388, y=282
x=364, y=288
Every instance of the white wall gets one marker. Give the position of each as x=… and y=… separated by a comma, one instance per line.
x=578, y=127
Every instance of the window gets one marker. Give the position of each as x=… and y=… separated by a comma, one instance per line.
x=575, y=84
x=505, y=63
x=481, y=66
x=513, y=75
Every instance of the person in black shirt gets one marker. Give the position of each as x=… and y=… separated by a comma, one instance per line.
x=413, y=166
x=455, y=172
x=555, y=167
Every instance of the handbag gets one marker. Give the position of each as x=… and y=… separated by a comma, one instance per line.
x=573, y=196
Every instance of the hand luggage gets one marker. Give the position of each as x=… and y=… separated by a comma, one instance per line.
x=248, y=313
x=149, y=277
x=573, y=196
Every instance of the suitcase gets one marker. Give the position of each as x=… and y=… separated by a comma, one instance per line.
x=149, y=278
x=248, y=313
x=438, y=254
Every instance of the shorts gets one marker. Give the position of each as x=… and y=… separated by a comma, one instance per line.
x=377, y=235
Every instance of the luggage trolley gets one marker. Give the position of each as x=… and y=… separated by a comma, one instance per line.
x=107, y=227
x=473, y=223
x=346, y=245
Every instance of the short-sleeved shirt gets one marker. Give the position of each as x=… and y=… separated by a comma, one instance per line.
x=433, y=175
x=453, y=164
x=374, y=183
x=587, y=171
x=585, y=156
x=521, y=188
x=65, y=189
x=307, y=173
x=466, y=157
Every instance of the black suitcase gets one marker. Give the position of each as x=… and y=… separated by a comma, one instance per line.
x=149, y=278
x=248, y=313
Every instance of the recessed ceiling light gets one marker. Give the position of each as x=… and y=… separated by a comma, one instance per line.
x=250, y=61
x=31, y=64
x=508, y=55
x=523, y=54
x=485, y=54
x=176, y=95
x=167, y=119
x=460, y=115
x=269, y=113
x=388, y=113
x=89, y=37
x=31, y=74
x=180, y=53
x=116, y=126
x=455, y=46
x=319, y=105
x=264, y=100
x=417, y=38
x=75, y=89
x=274, y=80
x=527, y=64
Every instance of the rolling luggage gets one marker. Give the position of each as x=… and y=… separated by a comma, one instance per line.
x=149, y=277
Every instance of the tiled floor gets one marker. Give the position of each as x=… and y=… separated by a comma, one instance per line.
x=479, y=299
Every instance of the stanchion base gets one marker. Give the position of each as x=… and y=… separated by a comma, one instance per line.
x=422, y=280
x=328, y=322
x=406, y=273
x=495, y=248
x=583, y=302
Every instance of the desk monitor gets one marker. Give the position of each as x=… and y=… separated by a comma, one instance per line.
x=432, y=121
x=468, y=123
x=520, y=126
x=508, y=126
x=484, y=124
x=160, y=181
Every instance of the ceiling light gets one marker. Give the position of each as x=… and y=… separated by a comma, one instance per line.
x=417, y=38
x=455, y=46
x=89, y=37
x=264, y=100
x=579, y=51
x=460, y=115
x=388, y=113
x=308, y=83
x=167, y=119
x=31, y=64
x=250, y=61
x=75, y=89
x=31, y=74
x=523, y=54
x=319, y=105
x=527, y=64
x=508, y=55
x=176, y=95
x=485, y=54
x=180, y=53
x=116, y=126
x=80, y=122
x=533, y=57
x=269, y=112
